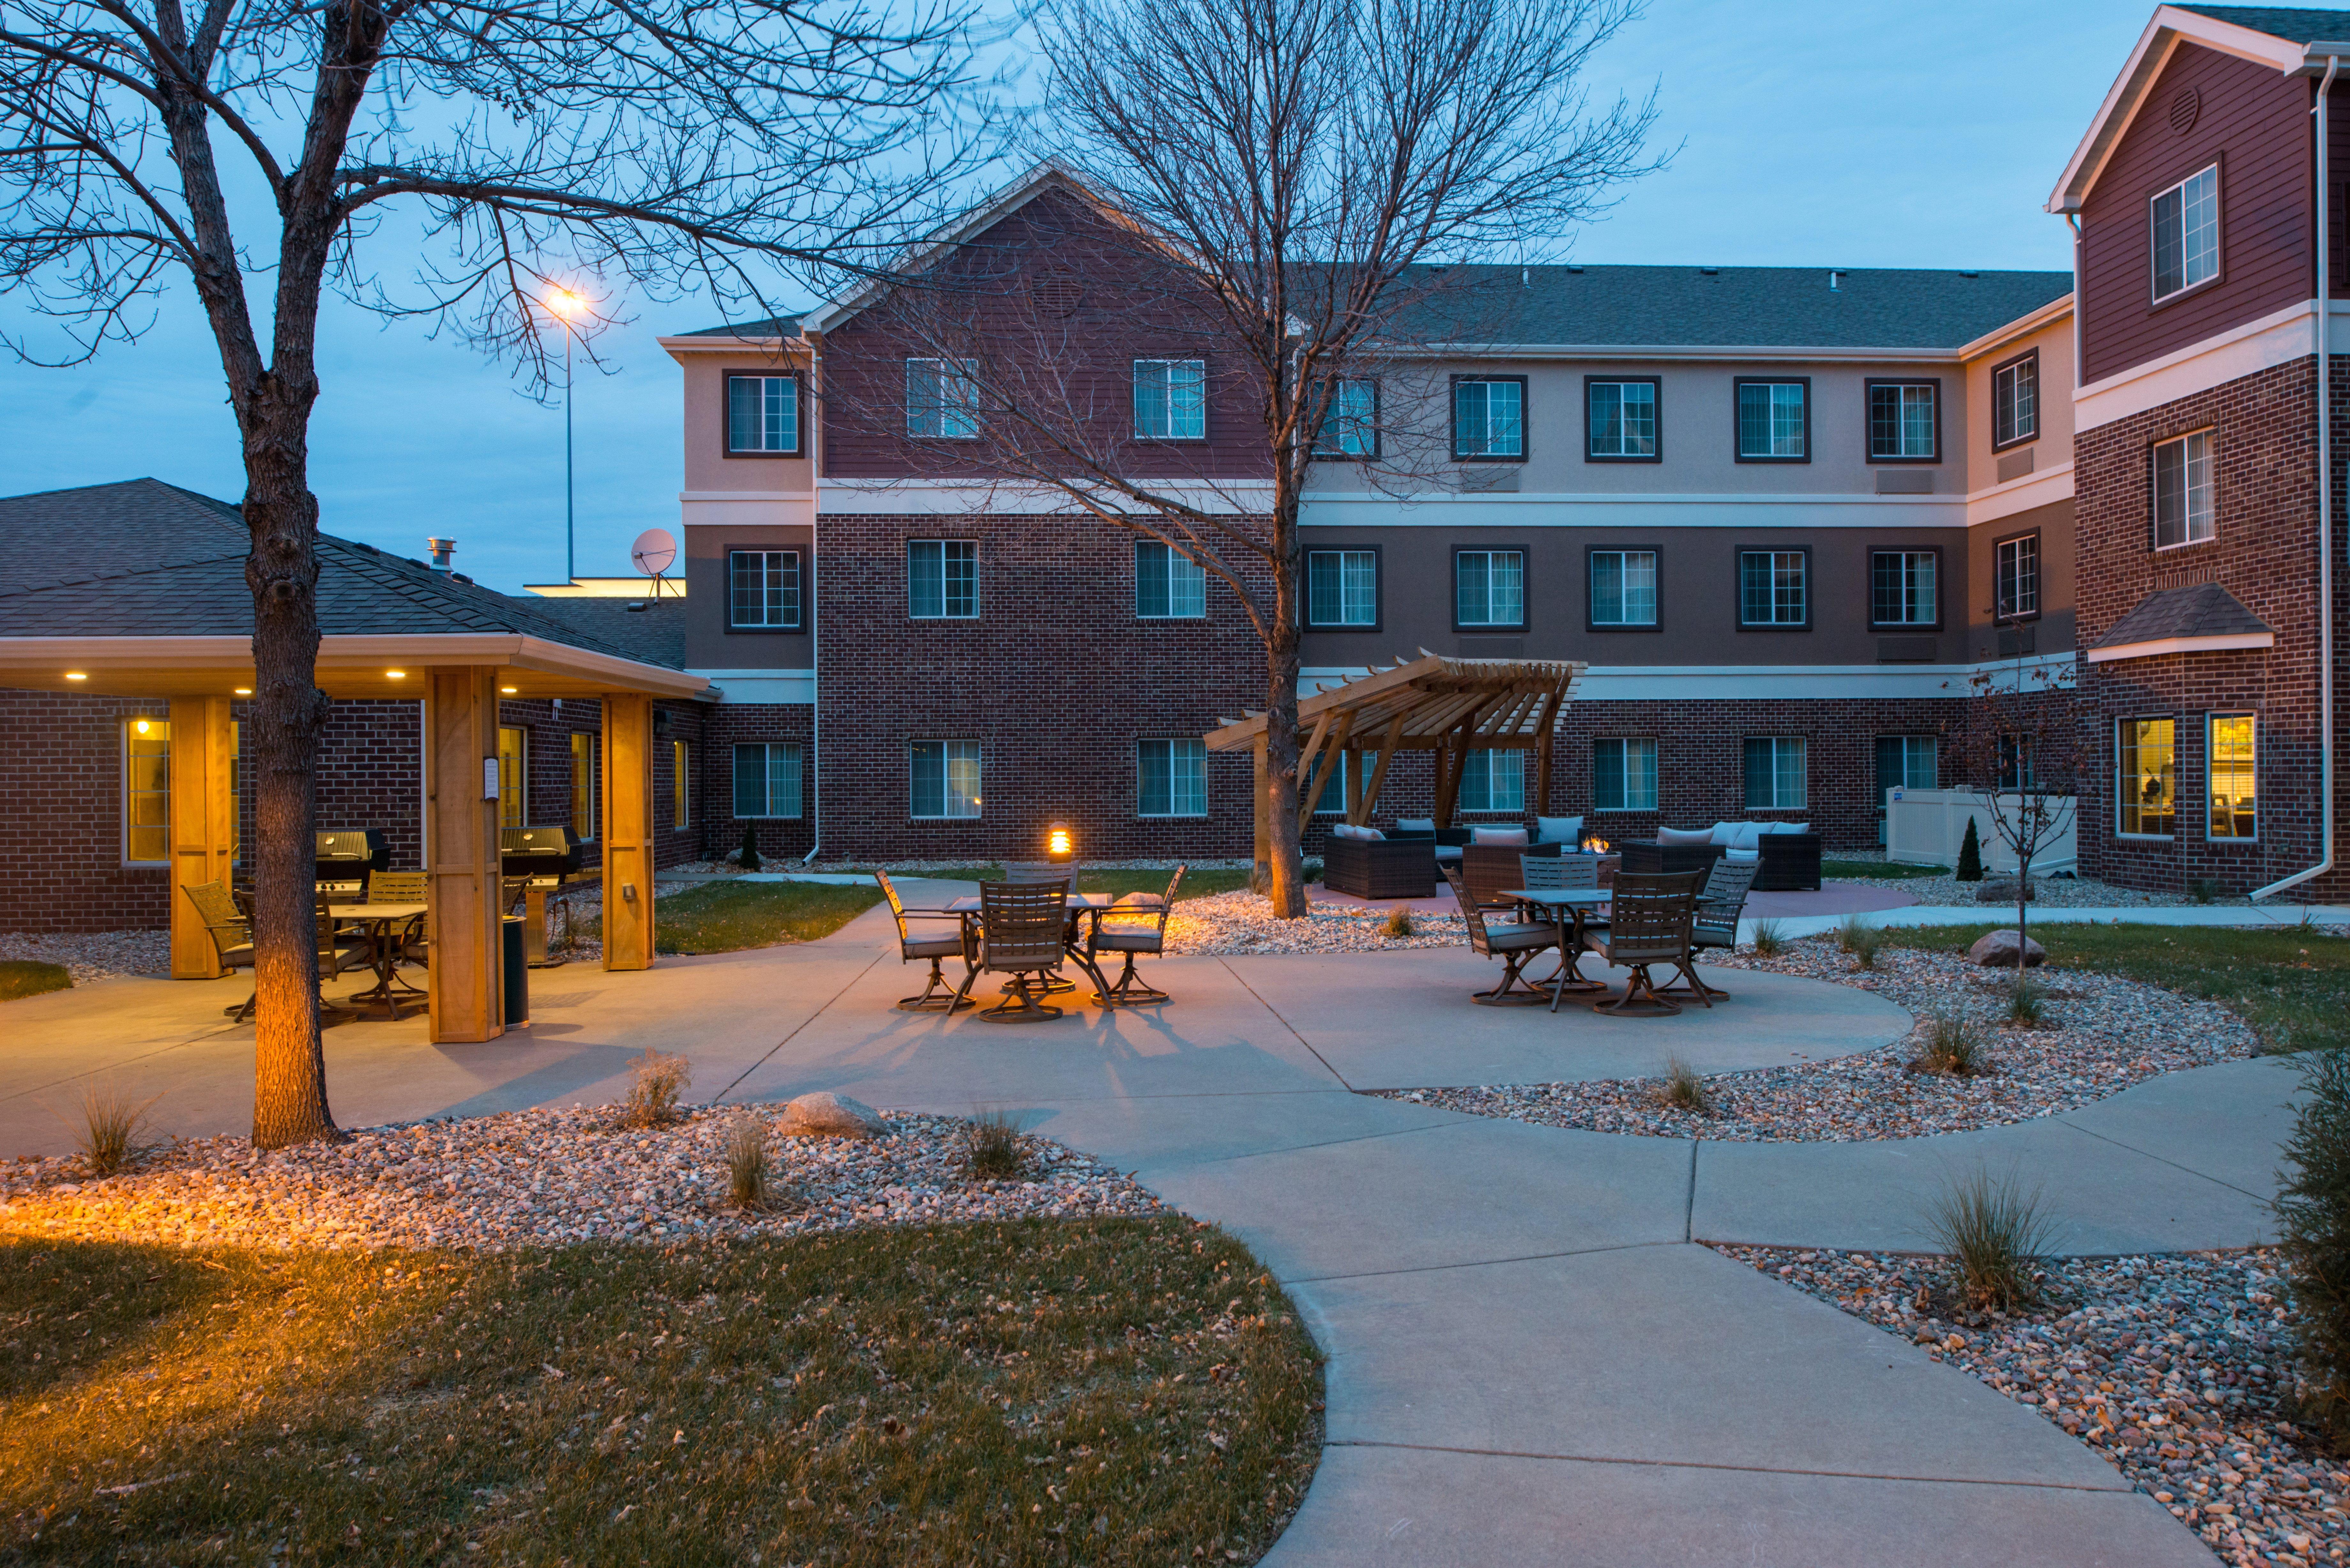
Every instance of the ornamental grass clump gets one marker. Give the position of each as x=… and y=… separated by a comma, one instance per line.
x=1768, y=940
x=110, y=1127
x=2312, y=1210
x=2027, y=1002
x=748, y=1165
x=1683, y=1090
x=1996, y=1234
x=1398, y=921
x=994, y=1150
x=656, y=1079
x=1861, y=939
x=1952, y=1045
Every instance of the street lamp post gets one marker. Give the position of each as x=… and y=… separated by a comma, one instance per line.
x=565, y=304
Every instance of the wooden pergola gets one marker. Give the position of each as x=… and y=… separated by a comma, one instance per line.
x=1449, y=707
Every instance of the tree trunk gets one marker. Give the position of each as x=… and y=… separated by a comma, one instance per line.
x=1286, y=872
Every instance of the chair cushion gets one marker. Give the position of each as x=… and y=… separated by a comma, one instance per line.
x=1514, y=937
x=931, y=947
x=1558, y=830
x=1448, y=852
x=1741, y=856
x=1786, y=827
x=1117, y=939
x=1497, y=836
x=1348, y=830
x=1417, y=824
x=1684, y=836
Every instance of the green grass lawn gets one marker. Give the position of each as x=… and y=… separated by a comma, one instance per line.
x=1105, y=1392
x=1198, y=882
x=726, y=917
x=1881, y=870
x=2290, y=984
x=27, y=977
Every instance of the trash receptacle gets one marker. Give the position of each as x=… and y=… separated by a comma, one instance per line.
x=517, y=973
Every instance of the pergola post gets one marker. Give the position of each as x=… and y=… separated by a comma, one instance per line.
x=466, y=981
x=204, y=824
x=627, y=830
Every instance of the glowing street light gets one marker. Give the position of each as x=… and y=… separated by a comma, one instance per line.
x=565, y=305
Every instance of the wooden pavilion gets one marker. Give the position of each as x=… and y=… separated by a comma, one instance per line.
x=1447, y=707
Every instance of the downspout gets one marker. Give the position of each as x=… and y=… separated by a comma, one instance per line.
x=816, y=623
x=2323, y=247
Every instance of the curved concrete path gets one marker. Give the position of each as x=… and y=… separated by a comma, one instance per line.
x=1530, y=1360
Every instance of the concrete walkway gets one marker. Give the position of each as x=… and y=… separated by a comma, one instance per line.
x=1530, y=1358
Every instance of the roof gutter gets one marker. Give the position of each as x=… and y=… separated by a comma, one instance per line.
x=2324, y=519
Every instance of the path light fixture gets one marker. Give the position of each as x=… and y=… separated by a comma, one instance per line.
x=1058, y=845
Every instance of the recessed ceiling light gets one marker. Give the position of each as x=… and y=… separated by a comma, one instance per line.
x=509, y=690
x=76, y=675
x=395, y=674
x=245, y=690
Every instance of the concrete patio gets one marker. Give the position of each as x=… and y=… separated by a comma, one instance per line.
x=1530, y=1360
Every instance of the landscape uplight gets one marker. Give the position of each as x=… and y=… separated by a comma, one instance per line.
x=1058, y=845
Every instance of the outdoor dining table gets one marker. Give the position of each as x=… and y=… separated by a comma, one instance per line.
x=1565, y=907
x=1075, y=904
x=378, y=920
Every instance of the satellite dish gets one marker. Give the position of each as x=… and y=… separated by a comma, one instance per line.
x=653, y=551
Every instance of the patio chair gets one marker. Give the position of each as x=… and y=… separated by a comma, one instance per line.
x=409, y=944
x=1065, y=873
x=1647, y=924
x=1020, y=934
x=1490, y=871
x=230, y=932
x=337, y=948
x=1715, y=923
x=931, y=943
x=1512, y=941
x=1139, y=928
x=1566, y=873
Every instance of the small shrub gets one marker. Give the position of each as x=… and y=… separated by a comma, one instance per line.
x=31, y=977
x=747, y=1162
x=2312, y=1211
x=2203, y=889
x=1971, y=855
x=1767, y=938
x=1398, y=921
x=2027, y=1001
x=1953, y=1045
x=1861, y=939
x=110, y=1127
x=748, y=856
x=1682, y=1089
x=655, y=1081
x=1995, y=1233
x=994, y=1150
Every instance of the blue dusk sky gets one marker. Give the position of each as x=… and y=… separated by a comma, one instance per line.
x=1807, y=134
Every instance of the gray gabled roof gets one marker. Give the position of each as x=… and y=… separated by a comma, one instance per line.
x=145, y=558
x=2294, y=24
x=2200, y=609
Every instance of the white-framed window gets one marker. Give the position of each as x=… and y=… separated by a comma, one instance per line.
x=1773, y=587
x=1624, y=773
x=1489, y=418
x=2186, y=494
x=147, y=791
x=942, y=579
x=1352, y=427
x=2186, y=221
x=2233, y=752
x=766, y=778
x=1489, y=588
x=1623, y=422
x=762, y=415
x=1342, y=587
x=2018, y=573
x=2147, y=781
x=1170, y=399
x=1171, y=778
x=943, y=399
x=1901, y=420
x=943, y=776
x=1494, y=781
x=1906, y=762
x=1775, y=771
x=514, y=776
x=582, y=785
x=2015, y=401
x=1773, y=420
x=1623, y=587
x=1167, y=583
x=680, y=785
x=763, y=590
x=1333, y=799
x=2016, y=762
x=1901, y=588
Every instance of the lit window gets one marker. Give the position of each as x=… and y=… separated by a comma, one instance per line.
x=2015, y=401
x=1167, y=583
x=1494, y=781
x=1490, y=587
x=2149, y=777
x=1775, y=773
x=2187, y=234
x=583, y=786
x=1772, y=590
x=942, y=579
x=1624, y=775
x=1342, y=587
x=943, y=399
x=1352, y=427
x=1170, y=399
x=1171, y=778
x=680, y=785
x=763, y=414
x=767, y=779
x=1489, y=419
x=2019, y=576
x=1901, y=588
x=1623, y=587
x=945, y=778
x=1623, y=419
x=146, y=792
x=763, y=590
x=513, y=778
x=2186, y=499
x=2235, y=777
x=1773, y=421
x=1901, y=420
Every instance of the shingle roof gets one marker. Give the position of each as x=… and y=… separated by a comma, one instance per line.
x=2200, y=609
x=776, y=327
x=2295, y=24
x=142, y=557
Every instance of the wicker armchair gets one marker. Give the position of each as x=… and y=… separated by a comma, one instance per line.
x=230, y=932
x=931, y=943
x=1132, y=929
x=1647, y=924
x=1715, y=923
x=1020, y=926
x=1513, y=942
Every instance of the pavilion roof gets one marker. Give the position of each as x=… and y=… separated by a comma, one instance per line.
x=1507, y=703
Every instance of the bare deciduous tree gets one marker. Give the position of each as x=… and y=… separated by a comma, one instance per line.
x=1295, y=195
x=681, y=144
x=2020, y=756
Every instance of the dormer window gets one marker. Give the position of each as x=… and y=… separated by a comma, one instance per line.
x=2187, y=235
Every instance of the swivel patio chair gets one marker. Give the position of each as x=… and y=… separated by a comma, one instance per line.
x=1020, y=934
x=1132, y=929
x=230, y=932
x=1715, y=923
x=1648, y=924
x=1063, y=872
x=931, y=943
x=1513, y=942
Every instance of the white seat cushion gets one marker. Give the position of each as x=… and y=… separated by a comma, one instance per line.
x=1497, y=836
x=1684, y=836
x=1723, y=833
x=1741, y=856
x=1416, y=824
x=1559, y=829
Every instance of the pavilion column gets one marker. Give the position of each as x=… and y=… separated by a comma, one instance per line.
x=460, y=855
x=627, y=830
x=204, y=823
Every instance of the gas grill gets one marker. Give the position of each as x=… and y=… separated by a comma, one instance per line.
x=538, y=852
x=351, y=855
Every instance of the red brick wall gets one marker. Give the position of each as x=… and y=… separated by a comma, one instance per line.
x=722, y=727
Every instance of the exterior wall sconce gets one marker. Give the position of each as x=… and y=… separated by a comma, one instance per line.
x=1058, y=845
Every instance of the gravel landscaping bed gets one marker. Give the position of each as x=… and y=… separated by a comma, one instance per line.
x=2098, y=1035
x=2047, y=892
x=95, y=956
x=2169, y=1366
x=1242, y=922
x=541, y=1178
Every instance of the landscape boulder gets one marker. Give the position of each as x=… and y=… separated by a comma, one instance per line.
x=827, y=1115
x=1997, y=949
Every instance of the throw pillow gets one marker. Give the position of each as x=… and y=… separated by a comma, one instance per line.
x=1497, y=836
x=1684, y=836
x=1417, y=824
x=1558, y=829
x=1723, y=833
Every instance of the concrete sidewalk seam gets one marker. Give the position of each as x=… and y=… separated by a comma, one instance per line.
x=2158, y=1159
x=207, y=1037
x=1688, y=1208
x=1287, y=1281
x=2119, y=1486
x=803, y=1023
x=1285, y=1022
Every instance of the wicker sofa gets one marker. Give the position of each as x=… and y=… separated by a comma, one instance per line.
x=1380, y=868
x=1787, y=862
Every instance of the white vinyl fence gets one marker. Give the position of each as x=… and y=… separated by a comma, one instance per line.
x=1926, y=826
